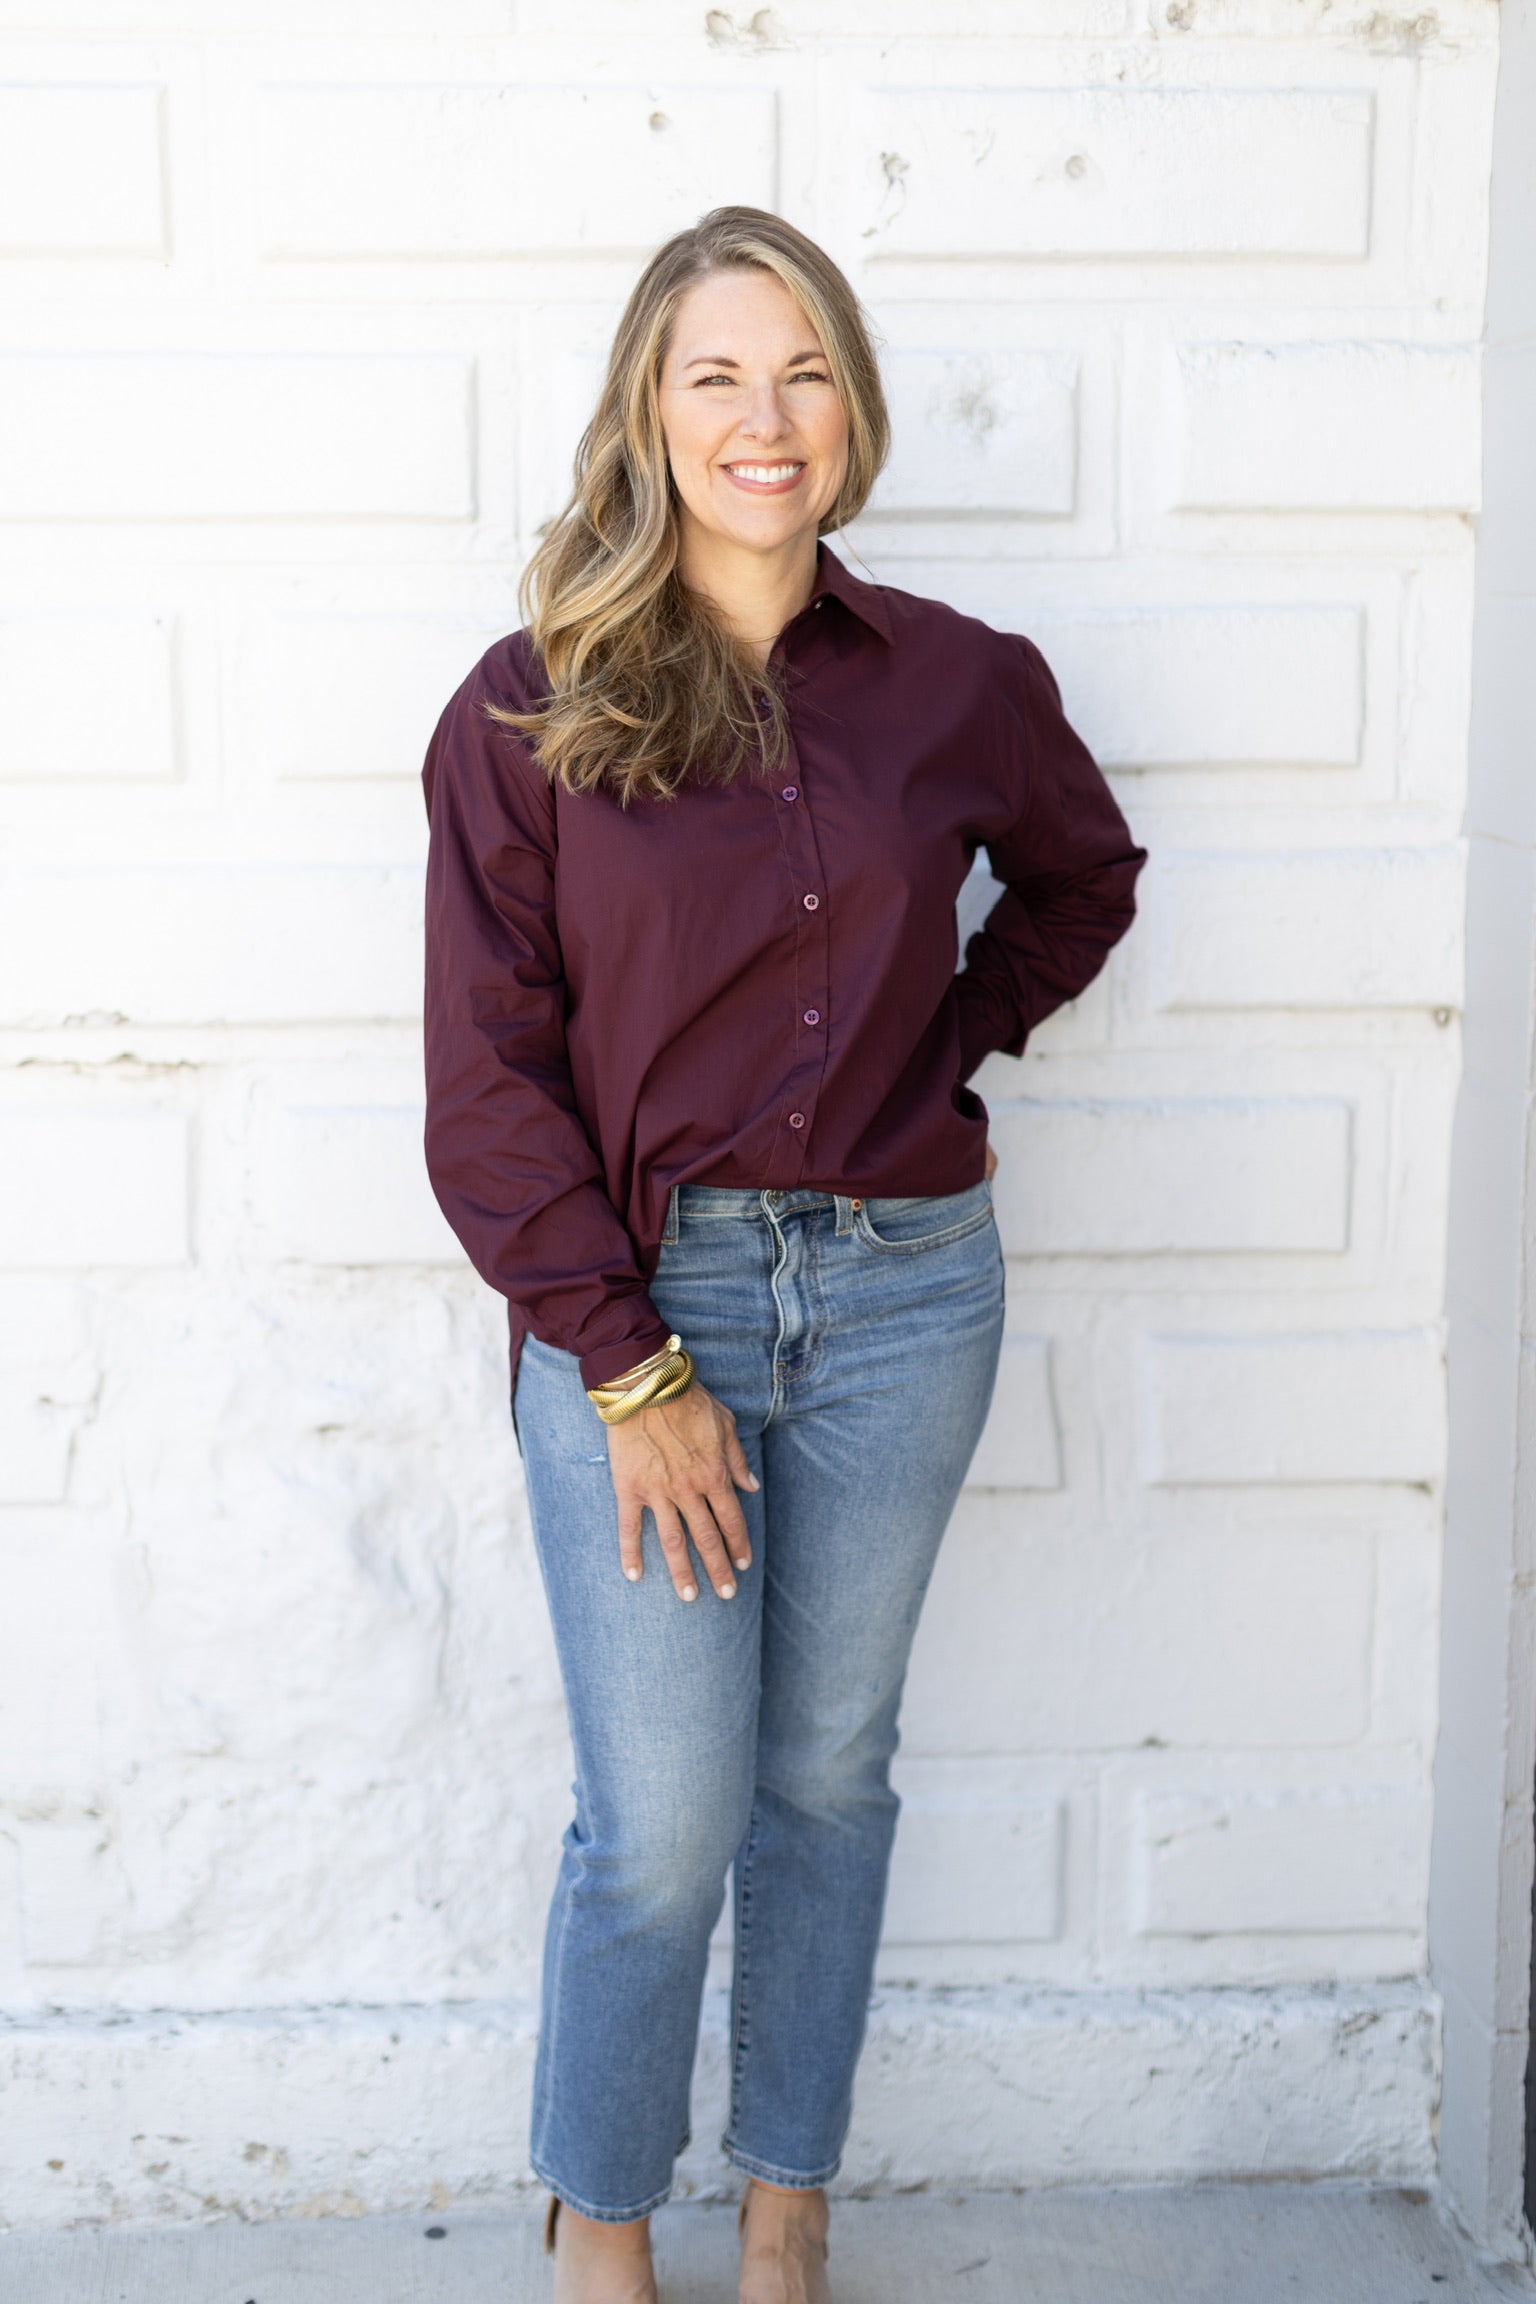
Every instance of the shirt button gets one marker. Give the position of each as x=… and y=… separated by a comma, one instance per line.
x=811, y=903
x=813, y=1015
x=790, y=792
x=797, y=1119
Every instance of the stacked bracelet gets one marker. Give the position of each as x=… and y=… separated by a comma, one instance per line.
x=667, y=1375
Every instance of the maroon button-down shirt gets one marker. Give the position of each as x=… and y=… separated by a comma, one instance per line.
x=753, y=983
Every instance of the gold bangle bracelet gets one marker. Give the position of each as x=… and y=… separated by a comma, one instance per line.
x=669, y=1382
x=666, y=1375
x=673, y=1390
x=673, y=1376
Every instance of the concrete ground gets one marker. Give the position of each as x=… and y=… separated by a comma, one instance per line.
x=1217, y=2244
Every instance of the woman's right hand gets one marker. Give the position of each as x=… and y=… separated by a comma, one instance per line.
x=683, y=1462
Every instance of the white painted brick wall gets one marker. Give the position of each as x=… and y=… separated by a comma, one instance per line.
x=484, y=170
x=1143, y=1178
x=52, y=206
x=981, y=432
x=48, y=1382
x=1345, y=928
x=336, y=696
x=222, y=941
x=1289, y=1863
x=1021, y=1445
x=1315, y=427
x=119, y=672
x=342, y=1183
x=981, y=1856
x=1243, y=1410
x=1199, y=1638
x=89, y=1185
x=229, y=436
x=1291, y=691
x=304, y=311
x=998, y=171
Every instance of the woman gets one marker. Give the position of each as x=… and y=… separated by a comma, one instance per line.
x=696, y=1056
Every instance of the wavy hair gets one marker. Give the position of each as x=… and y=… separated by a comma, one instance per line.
x=644, y=681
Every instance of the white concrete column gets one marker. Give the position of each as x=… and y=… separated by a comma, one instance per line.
x=1480, y=1897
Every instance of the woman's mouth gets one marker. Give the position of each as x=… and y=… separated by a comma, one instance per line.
x=765, y=479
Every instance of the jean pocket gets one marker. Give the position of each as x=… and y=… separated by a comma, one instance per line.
x=907, y=1227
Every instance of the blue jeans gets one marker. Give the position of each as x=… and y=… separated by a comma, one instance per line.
x=856, y=1347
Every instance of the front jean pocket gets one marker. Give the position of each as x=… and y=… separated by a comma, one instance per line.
x=906, y=1227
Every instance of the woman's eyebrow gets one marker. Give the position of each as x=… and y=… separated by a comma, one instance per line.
x=724, y=360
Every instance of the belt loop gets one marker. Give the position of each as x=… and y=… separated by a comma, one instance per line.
x=844, y=1213
x=670, y=1228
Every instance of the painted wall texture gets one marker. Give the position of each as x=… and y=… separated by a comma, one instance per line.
x=303, y=311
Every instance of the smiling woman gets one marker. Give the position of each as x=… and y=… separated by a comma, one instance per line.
x=742, y=353
x=697, y=1103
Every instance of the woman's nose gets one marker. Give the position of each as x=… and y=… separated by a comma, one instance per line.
x=765, y=418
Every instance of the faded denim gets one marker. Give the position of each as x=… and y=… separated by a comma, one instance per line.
x=857, y=1348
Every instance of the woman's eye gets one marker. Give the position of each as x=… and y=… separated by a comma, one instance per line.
x=810, y=376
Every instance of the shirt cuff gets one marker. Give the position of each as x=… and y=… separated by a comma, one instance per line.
x=988, y=1025
x=611, y=1360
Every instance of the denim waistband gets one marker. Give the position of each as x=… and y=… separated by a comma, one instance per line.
x=714, y=1203
x=722, y=1201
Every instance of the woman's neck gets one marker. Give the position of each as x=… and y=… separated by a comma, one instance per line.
x=754, y=593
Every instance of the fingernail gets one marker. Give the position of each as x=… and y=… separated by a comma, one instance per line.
x=753, y=1481
x=690, y=1592
x=727, y=1591
x=633, y=1574
x=743, y=1565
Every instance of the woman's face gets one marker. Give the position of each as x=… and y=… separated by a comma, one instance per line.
x=756, y=435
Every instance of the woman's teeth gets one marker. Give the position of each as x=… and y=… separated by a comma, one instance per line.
x=764, y=474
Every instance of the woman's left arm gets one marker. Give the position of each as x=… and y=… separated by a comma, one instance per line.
x=1068, y=865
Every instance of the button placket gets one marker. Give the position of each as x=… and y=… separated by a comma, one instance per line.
x=812, y=959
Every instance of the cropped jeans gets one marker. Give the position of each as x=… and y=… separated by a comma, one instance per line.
x=856, y=1345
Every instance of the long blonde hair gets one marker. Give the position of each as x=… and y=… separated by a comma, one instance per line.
x=644, y=681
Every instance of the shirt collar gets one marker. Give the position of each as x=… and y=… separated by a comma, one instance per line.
x=866, y=600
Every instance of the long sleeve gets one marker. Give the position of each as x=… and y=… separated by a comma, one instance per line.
x=511, y=1163
x=1068, y=866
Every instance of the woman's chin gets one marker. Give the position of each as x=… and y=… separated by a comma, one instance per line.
x=768, y=526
